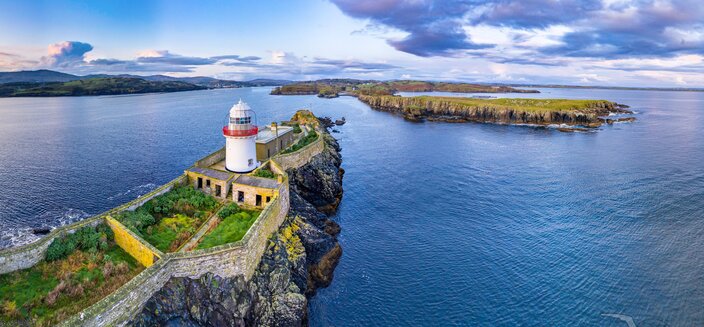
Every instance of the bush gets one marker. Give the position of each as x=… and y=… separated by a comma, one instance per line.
x=266, y=173
x=136, y=220
x=297, y=129
x=229, y=210
x=308, y=139
x=86, y=238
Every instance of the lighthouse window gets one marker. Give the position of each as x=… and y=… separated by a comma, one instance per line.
x=250, y=162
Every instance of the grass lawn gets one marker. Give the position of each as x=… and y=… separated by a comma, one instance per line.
x=172, y=232
x=234, y=225
x=50, y=292
x=169, y=220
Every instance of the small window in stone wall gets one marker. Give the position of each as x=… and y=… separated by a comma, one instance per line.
x=268, y=199
x=207, y=183
x=240, y=196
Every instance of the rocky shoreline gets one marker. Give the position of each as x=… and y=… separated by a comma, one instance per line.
x=299, y=259
x=453, y=110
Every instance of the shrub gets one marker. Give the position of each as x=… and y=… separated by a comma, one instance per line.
x=108, y=269
x=9, y=308
x=229, y=210
x=297, y=129
x=88, y=238
x=266, y=173
x=136, y=220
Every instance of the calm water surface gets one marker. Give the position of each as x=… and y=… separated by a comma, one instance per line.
x=443, y=224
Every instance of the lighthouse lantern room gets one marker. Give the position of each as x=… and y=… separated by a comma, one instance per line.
x=240, y=135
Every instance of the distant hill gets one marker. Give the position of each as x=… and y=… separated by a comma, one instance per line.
x=36, y=76
x=93, y=86
x=330, y=88
x=44, y=76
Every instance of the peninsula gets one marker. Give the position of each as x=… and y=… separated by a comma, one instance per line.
x=586, y=113
x=242, y=237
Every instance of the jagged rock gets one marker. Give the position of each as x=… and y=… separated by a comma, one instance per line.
x=320, y=181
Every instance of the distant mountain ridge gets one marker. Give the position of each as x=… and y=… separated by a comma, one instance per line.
x=46, y=76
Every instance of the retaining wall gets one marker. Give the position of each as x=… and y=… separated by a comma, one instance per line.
x=132, y=244
x=299, y=158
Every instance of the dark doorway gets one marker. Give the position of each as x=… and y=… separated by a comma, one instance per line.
x=268, y=199
x=217, y=190
x=240, y=196
x=259, y=201
x=200, y=182
x=207, y=183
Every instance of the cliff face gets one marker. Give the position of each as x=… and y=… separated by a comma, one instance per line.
x=420, y=108
x=300, y=258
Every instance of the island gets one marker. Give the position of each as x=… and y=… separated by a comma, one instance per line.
x=93, y=86
x=45, y=83
x=584, y=113
x=330, y=88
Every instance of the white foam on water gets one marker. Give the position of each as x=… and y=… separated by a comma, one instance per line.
x=10, y=237
x=137, y=190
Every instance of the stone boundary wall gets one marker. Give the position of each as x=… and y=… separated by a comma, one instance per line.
x=295, y=160
x=28, y=255
x=228, y=260
x=211, y=159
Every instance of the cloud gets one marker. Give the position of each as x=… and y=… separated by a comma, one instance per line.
x=434, y=27
x=167, y=58
x=65, y=54
x=592, y=29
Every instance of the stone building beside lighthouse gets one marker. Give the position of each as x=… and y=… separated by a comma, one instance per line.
x=226, y=173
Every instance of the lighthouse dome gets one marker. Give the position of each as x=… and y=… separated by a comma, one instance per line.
x=240, y=109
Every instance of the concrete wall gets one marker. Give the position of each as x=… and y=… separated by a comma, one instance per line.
x=211, y=159
x=132, y=244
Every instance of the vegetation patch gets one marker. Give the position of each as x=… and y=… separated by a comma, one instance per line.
x=234, y=224
x=308, y=139
x=266, y=173
x=83, y=269
x=169, y=220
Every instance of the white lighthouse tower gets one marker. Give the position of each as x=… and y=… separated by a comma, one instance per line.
x=240, y=135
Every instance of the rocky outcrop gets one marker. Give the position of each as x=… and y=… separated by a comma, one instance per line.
x=585, y=113
x=300, y=258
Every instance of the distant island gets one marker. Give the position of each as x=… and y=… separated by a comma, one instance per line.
x=330, y=88
x=93, y=86
x=586, y=113
x=45, y=83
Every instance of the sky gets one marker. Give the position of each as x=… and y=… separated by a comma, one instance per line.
x=658, y=43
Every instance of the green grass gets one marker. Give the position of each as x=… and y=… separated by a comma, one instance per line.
x=172, y=232
x=29, y=290
x=308, y=139
x=231, y=229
